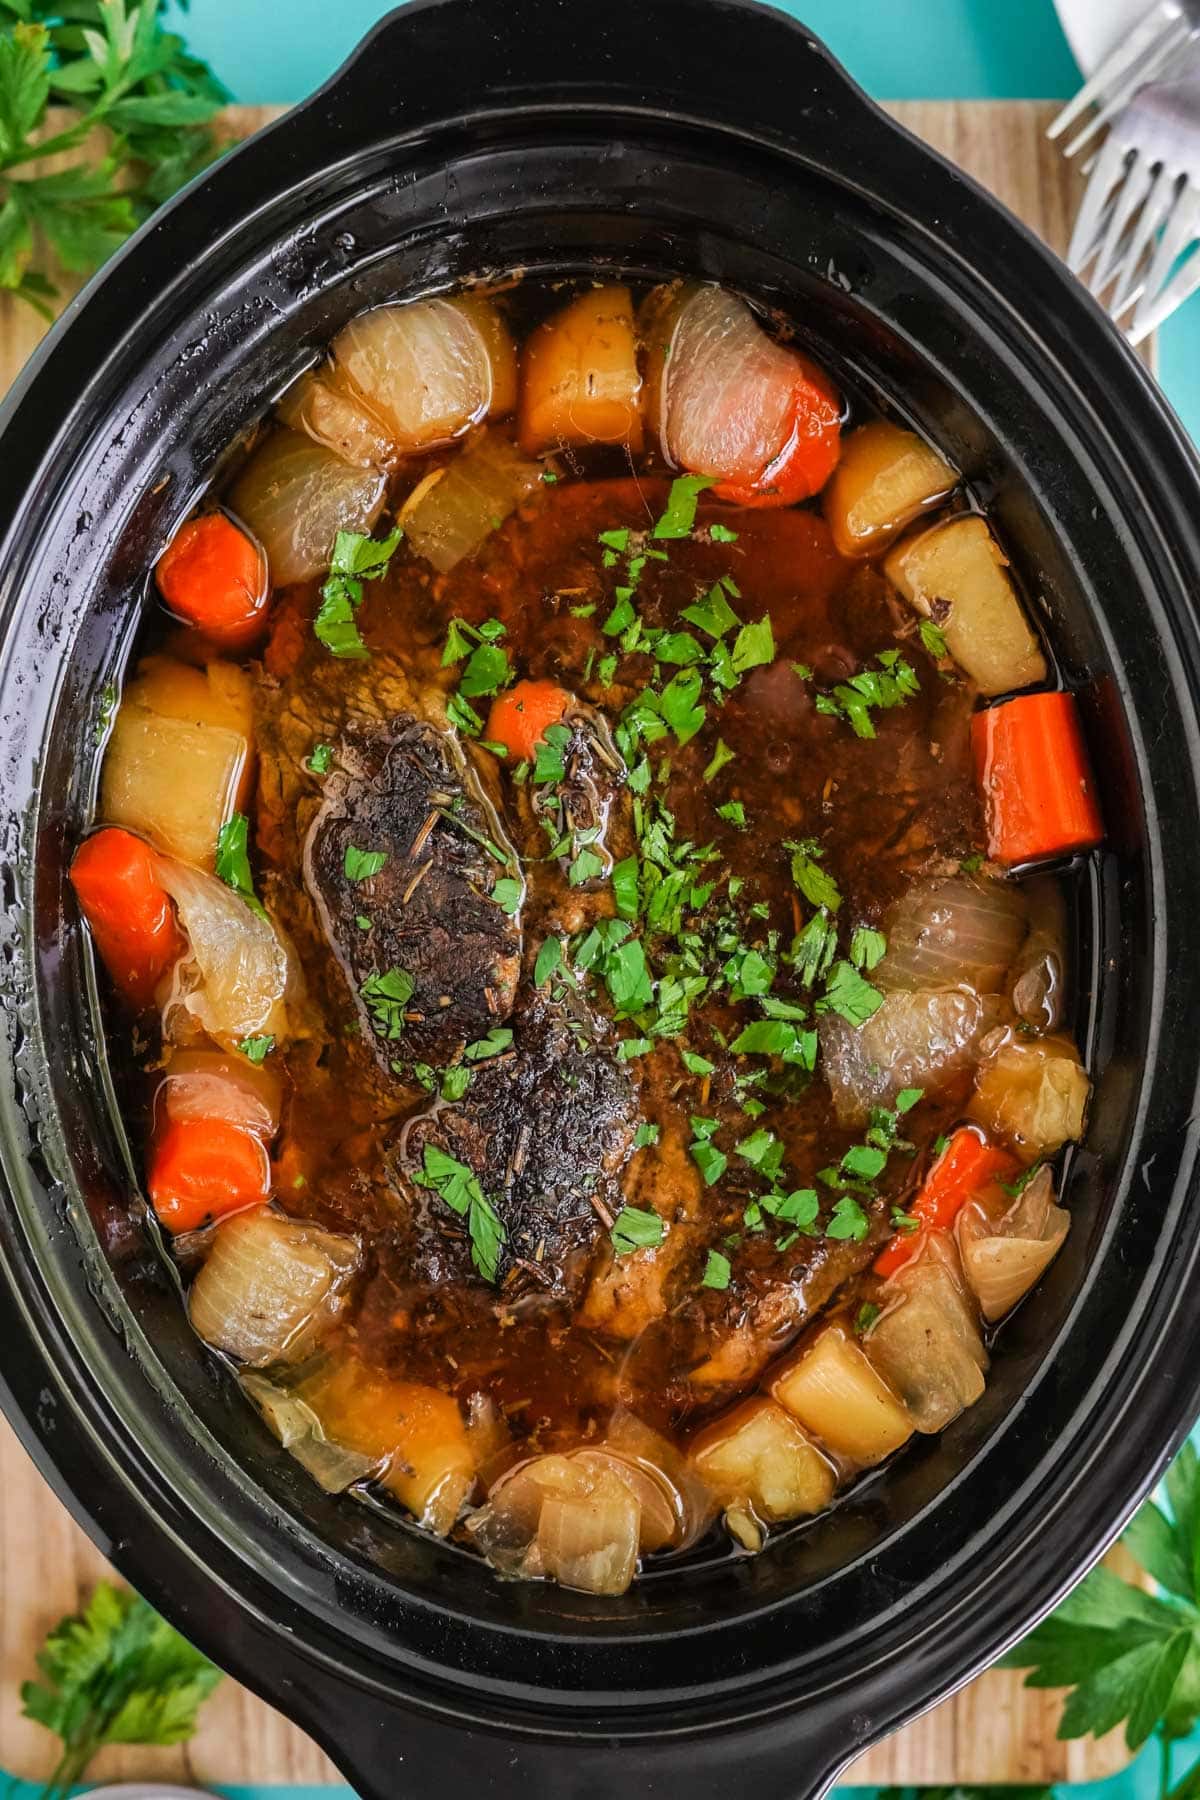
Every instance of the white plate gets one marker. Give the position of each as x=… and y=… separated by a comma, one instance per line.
x=1092, y=27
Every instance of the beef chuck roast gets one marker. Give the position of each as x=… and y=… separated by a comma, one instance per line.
x=546, y=1128
x=426, y=919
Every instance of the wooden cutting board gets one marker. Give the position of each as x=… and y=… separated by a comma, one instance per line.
x=993, y=1731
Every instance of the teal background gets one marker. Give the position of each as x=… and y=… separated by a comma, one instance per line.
x=279, y=50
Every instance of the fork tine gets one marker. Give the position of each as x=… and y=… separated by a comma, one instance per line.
x=1109, y=167
x=1138, y=182
x=1153, y=215
x=1152, y=64
x=1144, y=34
x=1164, y=290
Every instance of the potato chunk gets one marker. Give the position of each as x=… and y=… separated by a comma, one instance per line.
x=886, y=478
x=580, y=382
x=835, y=1393
x=1032, y=1092
x=178, y=763
x=416, y=1435
x=762, y=1468
x=957, y=575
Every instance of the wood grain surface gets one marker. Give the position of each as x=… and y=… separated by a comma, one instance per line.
x=993, y=1731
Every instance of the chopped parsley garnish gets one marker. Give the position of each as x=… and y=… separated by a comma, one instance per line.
x=455, y=1082
x=721, y=534
x=849, y=994
x=645, y=1135
x=356, y=558
x=636, y=1228
x=360, y=865
x=680, y=514
x=933, y=638
x=721, y=756
x=717, y=1271
x=617, y=539
x=488, y=670
x=763, y=1151
x=362, y=921
x=680, y=706
x=734, y=813
x=753, y=646
x=888, y=686
x=867, y=948
x=455, y=1183
x=710, y=1161
x=233, y=861
x=848, y=1221
x=970, y=865
x=626, y=888
x=508, y=894
x=813, y=951
x=713, y=614
x=865, y=1317
x=778, y=1037
x=386, y=997
x=818, y=888
x=499, y=1038
x=320, y=759
x=257, y=1049
x=696, y=1064
x=549, y=961
x=1014, y=1189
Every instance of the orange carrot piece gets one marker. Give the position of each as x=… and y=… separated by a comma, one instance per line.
x=810, y=452
x=215, y=577
x=965, y=1165
x=521, y=716
x=1032, y=766
x=128, y=909
x=201, y=1169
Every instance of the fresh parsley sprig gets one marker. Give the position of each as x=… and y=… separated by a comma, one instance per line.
x=1128, y=1656
x=116, y=1673
x=116, y=68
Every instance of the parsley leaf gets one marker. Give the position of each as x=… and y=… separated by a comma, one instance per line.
x=355, y=558
x=386, y=997
x=713, y=614
x=116, y=1673
x=508, y=894
x=360, y=865
x=717, y=1271
x=549, y=959
x=848, y=1221
x=498, y=1038
x=720, y=757
x=459, y=1187
x=680, y=706
x=488, y=670
x=233, y=861
x=320, y=759
x=636, y=1228
x=754, y=645
x=867, y=948
x=680, y=514
x=850, y=995
x=257, y=1049
x=818, y=888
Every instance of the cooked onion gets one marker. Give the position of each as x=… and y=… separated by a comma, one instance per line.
x=338, y=420
x=234, y=980
x=722, y=392
x=269, y=1285
x=207, y=1084
x=447, y=518
x=1033, y=1092
x=422, y=368
x=833, y=1390
x=957, y=930
x=1037, y=979
x=926, y=1344
x=299, y=1430
x=572, y=1518
x=296, y=496
x=659, y=1505
x=639, y=1443
x=925, y=1039
x=1006, y=1244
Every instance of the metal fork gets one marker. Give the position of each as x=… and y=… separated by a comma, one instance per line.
x=1141, y=56
x=1140, y=216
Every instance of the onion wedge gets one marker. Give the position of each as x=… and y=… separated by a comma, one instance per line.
x=1006, y=1244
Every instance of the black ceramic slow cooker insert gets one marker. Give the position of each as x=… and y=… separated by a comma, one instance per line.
x=716, y=139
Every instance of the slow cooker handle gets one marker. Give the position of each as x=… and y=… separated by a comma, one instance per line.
x=734, y=64
x=384, y=1751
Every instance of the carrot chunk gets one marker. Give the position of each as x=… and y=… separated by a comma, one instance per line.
x=201, y=1169
x=128, y=909
x=965, y=1165
x=520, y=718
x=215, y=577
x=1033, y=771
